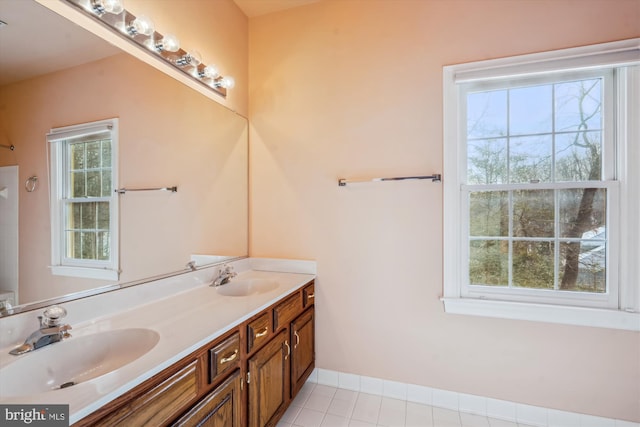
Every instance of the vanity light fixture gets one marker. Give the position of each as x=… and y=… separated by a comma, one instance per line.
x=140, y=29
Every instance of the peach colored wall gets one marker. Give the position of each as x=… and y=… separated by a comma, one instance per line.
x=217, y=29
x=168, y=135
x=353, y=88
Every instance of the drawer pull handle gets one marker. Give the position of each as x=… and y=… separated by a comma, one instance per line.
x=262, y=332
x=295, y=333
x=311, y=296
x=288, y=350
x=229, y=358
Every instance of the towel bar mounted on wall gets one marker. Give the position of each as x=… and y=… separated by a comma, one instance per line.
x=434, y=178
x=173, y=189
x=9, y=147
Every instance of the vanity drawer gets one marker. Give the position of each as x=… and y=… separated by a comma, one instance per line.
x=286, y=311
x=224, y=356
x=308, y=295
x=258, y=331
x=160, y=404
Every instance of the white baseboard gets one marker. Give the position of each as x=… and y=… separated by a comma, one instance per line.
x=477, y=405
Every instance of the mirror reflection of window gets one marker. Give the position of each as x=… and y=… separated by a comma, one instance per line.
x=83, y=201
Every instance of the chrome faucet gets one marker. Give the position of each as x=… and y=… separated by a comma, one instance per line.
x=50, y=331
x=225, y=274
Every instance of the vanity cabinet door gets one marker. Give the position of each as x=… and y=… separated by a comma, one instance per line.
x=158, y=406
x=221, y=408
x=268, y=381
x=302, y=350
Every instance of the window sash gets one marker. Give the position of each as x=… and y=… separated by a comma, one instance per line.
x=607, y=299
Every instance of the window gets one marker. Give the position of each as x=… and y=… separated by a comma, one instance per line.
x=84, y=226
x=537, y=183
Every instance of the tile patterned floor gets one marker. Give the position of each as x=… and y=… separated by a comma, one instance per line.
x=322, y=406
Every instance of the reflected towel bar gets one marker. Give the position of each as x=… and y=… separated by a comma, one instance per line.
x=124, y=190
x=10, y=147
x=434, y=178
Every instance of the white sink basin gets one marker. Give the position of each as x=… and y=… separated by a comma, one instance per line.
x=74, y=360
x=246, y=287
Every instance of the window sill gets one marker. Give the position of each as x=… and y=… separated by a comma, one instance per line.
x=592, y=317
x=86, y=273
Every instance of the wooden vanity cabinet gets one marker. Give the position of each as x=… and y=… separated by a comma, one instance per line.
x=278, y=370
x=247, y=377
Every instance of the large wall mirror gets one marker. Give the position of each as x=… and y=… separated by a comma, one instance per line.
x=55, y=74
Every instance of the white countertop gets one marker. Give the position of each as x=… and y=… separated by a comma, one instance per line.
x=185, y=321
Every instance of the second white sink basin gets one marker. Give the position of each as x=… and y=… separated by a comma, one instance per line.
x=246, y=287
x=74, y=360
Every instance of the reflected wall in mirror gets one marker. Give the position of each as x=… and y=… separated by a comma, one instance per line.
x=169, y=135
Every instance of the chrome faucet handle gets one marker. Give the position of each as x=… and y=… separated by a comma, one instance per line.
x=53, y=315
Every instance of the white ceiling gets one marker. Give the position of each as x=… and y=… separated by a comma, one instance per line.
x=253, y=8
x=37, y=41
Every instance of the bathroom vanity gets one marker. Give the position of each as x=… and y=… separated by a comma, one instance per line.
x=234, y=355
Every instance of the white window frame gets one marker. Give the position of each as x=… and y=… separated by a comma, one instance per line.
x=60, y=264
x=621, y=309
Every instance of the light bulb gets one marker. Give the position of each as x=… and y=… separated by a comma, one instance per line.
x=141, y=25
x=190, y=58
x=227, y=82
x=169, y=43
x=209, y=72
x=107, y=6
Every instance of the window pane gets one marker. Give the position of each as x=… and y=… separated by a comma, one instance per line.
x=106, y=183
x=75, y=219
x=94, y=184
x=530, y=159
x=88, y=245
x=93, y=154
x=578, y=105
x=533, y=213
x=489, y=213
x=488, y=262
x=74, y=244
x=583, y=266
x=77, y=184
x=88, y=216
x=102, y=250
x=530, y=110
x=106, y=153
x=583, y=213
x=76, y=156
x=487, y=114
x=487, y=161
x=579, y=156
x=533, y=264
x=103, y=215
